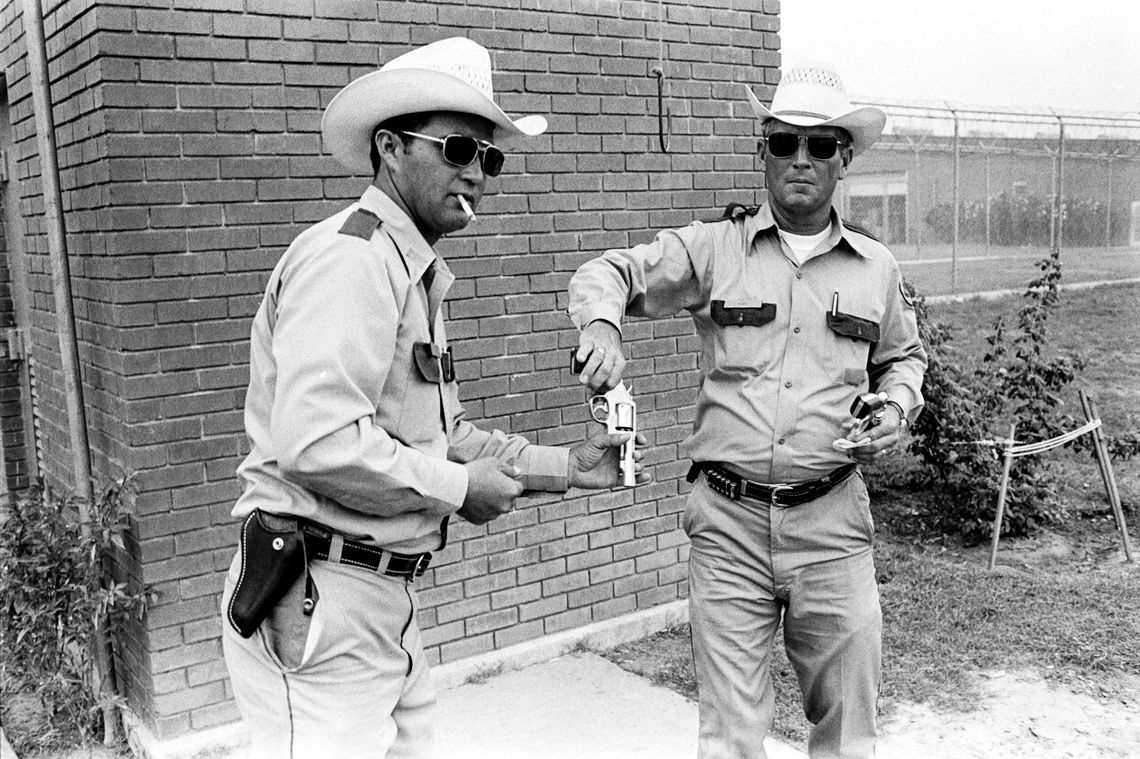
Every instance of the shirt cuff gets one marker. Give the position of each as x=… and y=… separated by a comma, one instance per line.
x=908, y=405
x=588, y=314
x=903, y=421
x=450, y=486
x=545, y=468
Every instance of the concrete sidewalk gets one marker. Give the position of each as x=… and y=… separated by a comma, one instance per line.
x=577, y=706
x=548, y=698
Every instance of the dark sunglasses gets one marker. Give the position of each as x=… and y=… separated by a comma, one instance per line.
x=785, y=144
x=461, y=150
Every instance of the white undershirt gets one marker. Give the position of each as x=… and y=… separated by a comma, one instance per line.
x=805, y=247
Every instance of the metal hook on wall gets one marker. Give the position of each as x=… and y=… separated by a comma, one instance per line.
x=664, y=125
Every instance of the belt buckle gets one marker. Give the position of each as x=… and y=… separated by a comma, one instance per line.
x=421, y=566
x=774, y=495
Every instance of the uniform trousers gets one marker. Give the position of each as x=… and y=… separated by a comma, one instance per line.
x=751, y=565
x=351, y=680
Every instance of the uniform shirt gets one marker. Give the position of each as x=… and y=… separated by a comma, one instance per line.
x=345, y=428
x=779, y=380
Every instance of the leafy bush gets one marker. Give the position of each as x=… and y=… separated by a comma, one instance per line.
x=972, y=403
x=55, y=593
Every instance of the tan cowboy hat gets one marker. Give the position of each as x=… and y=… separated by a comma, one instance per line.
x=449, y=75
x=812, y=94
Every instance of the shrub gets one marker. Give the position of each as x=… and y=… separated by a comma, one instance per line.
x=972, y=403
x=55, y=594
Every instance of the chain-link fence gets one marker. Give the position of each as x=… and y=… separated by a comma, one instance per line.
x=969, y=199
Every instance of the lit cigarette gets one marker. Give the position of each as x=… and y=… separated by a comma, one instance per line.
x=466, y=208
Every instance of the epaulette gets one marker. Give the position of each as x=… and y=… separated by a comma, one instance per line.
x=861, y=230
x=737, y=210
x=360, y=223
x=734, y=211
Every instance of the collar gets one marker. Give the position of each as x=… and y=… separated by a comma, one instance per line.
x=415, y=249
x=763, y=220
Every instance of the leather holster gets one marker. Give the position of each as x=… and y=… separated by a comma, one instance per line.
x=272, y=559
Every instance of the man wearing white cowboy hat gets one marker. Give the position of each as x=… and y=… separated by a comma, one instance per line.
x=359, y=451
x=804, y=326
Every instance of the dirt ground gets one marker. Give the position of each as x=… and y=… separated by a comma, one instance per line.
x=1022, y=717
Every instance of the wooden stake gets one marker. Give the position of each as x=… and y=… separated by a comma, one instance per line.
x=1001, y=496
x=1106, y=473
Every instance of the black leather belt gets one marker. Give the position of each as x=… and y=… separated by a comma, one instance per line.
x=335, y=548
x=732, y=485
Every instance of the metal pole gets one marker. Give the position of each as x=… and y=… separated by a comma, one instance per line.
x=1053, y=211
x=987, y=205
x=1059, y=241
x=885, y=209
x=917, y=204
x=954, y=244
x=1108, y=208
x=65, y=321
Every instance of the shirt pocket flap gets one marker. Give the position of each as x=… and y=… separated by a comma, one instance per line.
x=433, y=362
x=854, y=327
x=742, y=316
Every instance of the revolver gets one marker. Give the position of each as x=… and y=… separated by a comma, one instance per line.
x=868, y=409
x=617, y=410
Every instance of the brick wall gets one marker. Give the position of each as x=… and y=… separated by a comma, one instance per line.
x=191, y=156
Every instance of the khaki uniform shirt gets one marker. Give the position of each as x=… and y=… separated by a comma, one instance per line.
x=350, y=423
x=780, y=375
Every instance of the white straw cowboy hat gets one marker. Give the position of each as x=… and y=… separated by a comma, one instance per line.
x=449, y=75
x=812, y=94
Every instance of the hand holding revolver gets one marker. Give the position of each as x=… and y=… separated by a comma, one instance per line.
x=600, y=367
x=875, y=425
x=598, y=361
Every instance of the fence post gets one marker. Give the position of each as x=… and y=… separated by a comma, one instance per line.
x=917, y=202
x=989, y=194
x=1108, y=206
x=957, y=190
x=1001, y=496
x=1059, y=240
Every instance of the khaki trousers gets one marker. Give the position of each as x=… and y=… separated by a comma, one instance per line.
x=349, y=681
x=752, y=564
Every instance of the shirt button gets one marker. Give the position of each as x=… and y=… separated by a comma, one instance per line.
x=799, y=275
x=788, y=383
x=796, y=330
x=780, y=441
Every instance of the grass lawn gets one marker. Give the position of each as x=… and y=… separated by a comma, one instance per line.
x=1062, y=602
x=934, y=272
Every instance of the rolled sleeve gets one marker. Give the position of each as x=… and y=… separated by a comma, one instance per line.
x=542, y=467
